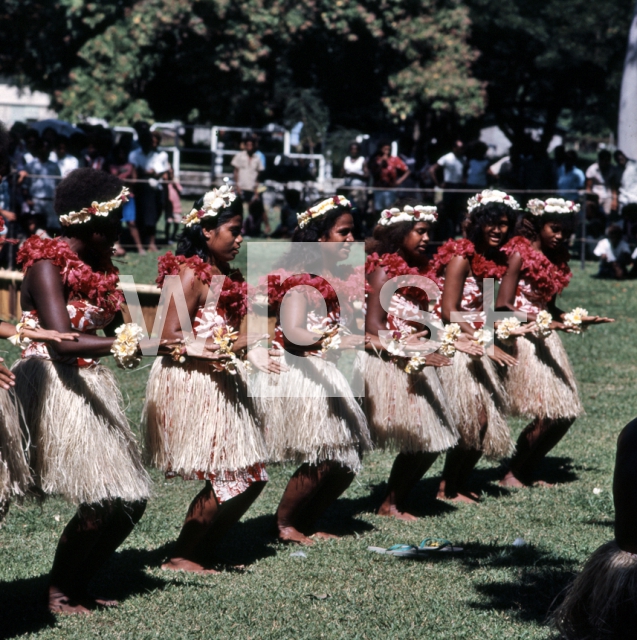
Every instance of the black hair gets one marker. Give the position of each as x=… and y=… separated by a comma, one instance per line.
x=316, y=228
x=485, y=215
x=604, y=154
x=529, y=226
x=80, y=189
x=192, y=242
x=381, y=144
x=389, y=238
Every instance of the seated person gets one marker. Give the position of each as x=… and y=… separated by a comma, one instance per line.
x=614, y=254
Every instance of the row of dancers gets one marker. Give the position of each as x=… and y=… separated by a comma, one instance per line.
x=199, y=420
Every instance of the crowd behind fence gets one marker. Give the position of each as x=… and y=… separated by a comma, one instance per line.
x=285, y=183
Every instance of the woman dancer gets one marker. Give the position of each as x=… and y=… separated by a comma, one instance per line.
x=200, y=422
x=404, y=401
x=602, y=601
x=543, y=385
x=315, y=421
x=478, y=401
x=82, y=446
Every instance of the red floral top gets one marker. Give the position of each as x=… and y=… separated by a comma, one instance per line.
x=407, y=303
x=472, y=296
x=341, y=296
x=233, y=300
x=540, y=278
x=93, y=297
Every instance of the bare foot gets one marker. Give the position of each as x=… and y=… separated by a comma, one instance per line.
x=153, y=248
x=392, y=511
x=104, y=602
x=459, y=497
x=322, y=535
x=141, y=251
x=181, y=564
x=290, y=534
x=511, y=481
x=61, y=603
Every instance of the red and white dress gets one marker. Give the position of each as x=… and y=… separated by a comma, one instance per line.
x=200, y=423
x=405, y=411
x=81, y=443
x=543, y=383
x=310, y=413
x=472, y=385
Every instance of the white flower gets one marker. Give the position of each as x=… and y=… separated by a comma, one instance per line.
x=125, y=347
x=543, y=322
x=420, y=213
x=574, y=319
x=539, y=207
x=506, y=327
x=492, y=195
x=597, y=491
x=483, y=337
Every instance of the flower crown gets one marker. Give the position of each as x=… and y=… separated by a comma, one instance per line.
x=419, y=213
x=492, y=195
x=321, y=209
x=213, y=202
x=96, y=209
x=551, y=205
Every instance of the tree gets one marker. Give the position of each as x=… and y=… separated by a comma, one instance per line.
x=544, y=59
x=372, y=62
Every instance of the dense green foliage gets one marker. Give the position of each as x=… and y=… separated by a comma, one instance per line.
x=340, y=590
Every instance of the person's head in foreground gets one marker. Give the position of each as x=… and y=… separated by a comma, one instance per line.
x=490, y=220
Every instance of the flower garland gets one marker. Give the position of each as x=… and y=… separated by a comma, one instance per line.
x=98, y=288
x=394, y=265
x=419, y=213
x=234, y=294
x=213, y=202
x=574, y=319
x=559, y=206
x=125, y=349
x=321, y=209
x=492, y=195
x=101, y=209
x=547, y=278
x=481, y=267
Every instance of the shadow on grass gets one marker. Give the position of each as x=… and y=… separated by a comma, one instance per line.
x=540, y=580
x=23, y=607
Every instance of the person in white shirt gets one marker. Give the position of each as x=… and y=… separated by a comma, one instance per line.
x=614, y=254
x=600, y=183
x=453, y=204
x=356, y=174
x=65, y=161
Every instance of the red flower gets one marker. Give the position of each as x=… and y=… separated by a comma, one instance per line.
x=393, y=265
x=481, y=267
x=548, y=278
x=97, y=287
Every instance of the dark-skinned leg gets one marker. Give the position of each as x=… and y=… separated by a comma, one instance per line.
x=117, y=524
x=74, y=548
x=535, y=441
x=406, y=472
x=206, y=523
x=300, y=490
x=334, y=479
x=458, y=466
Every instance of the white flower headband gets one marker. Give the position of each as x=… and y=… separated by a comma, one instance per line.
x=419, y=213
x=96, y=209
x=321, y=209
x=492, y=195
x=551, y=205
x=213, y=202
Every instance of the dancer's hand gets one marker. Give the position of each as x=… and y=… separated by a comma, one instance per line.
x=501, y=357
x=7, y=379
x=247, y=340
x=437, y=360
x=267, y=360
x=467, y=345
x=352, y=341
x=596, y=320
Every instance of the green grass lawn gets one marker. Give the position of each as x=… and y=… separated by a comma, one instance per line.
x=340, y=590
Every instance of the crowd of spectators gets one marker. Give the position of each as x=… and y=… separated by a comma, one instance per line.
x=40, y=160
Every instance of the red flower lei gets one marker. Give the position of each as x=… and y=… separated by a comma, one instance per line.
x=481, y=267
x=234, y=294
x=97, y=287
x=394, y=265
x=546, y=277
x=350, y=288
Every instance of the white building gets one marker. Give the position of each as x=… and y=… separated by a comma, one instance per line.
x=23, y=105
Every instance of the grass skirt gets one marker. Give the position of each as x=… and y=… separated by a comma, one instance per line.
x=602, y=601
x=408, y=412
x=542, y=384
x=312, y=427
x=15, y=476
x=82, y=446
x=475, y=391
x=200, y=422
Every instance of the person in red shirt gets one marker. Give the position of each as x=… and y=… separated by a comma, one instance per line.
x=388, y=172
